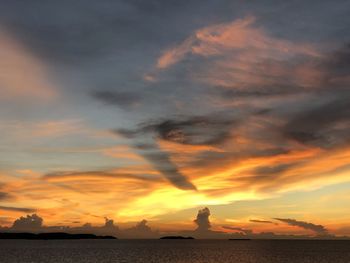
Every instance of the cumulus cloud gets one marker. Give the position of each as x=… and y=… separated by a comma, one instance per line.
x=202, y=220
x=140, y=230
x=204, y=230
x=34, y=224
x=318, y=229
x=30, y=223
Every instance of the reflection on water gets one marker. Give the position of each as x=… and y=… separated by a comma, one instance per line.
x=163, y=251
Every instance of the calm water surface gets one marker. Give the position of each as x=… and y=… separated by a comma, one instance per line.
x=164, y=251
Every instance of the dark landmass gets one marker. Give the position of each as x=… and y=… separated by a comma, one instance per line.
x=176, y=237
x=245, y=239
x=48, y=236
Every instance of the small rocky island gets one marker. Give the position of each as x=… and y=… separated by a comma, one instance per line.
x=176, y=237
x=51, y=236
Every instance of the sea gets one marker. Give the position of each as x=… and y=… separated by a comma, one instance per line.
x=179, y=251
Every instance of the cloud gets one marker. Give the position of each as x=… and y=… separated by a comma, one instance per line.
x=324, y=125
x=22, y=74
x=240, y=55
x=17, y=209
x=273, y=170
x=235, y=108
x=202, y=130
x=4, y=195
x=263, y=86
x=159, y=159
x=30, y=223
x=164, y=165
x=195, y=131
x=261, y=221
x=318, y=229
x=338, y=63
x=174, y=55
x=125, y=100
x=202, y=220
x=245, y=231
x=34, y=224
x=140, y=230
x=204, y=230
x=99, y=174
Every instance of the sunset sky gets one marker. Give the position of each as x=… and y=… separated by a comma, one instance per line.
x=154, y=109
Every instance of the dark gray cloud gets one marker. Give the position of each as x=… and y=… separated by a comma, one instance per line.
x=324, y=125
x=30, y=223
x=161, y=161
x=4, y=195
x=118, y=26
x=125, y=100
x=339, y=62
x=231, y=156
x=202, y=220
x=196, y=130
x=17, y=209
x=206, y=130
x=179, y=132
x=267, y=91
x=272, y=170
x=318, y=229
x=140, y=230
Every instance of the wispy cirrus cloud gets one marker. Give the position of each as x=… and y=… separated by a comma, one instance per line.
x=318, y=229
x=261, y=221
x=17, y=209
x=241, y=55
x=23, y=75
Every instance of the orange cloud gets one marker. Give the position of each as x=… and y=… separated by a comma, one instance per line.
x=173, y=55
x=76, y=194
x=240, y=55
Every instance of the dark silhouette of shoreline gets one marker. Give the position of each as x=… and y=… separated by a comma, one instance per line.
x=51, y=236
x=176, y=237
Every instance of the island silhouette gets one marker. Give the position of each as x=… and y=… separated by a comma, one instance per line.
x=176, y=237
x=51, y=236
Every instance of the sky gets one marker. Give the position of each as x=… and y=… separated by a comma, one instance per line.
x=133, y=110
